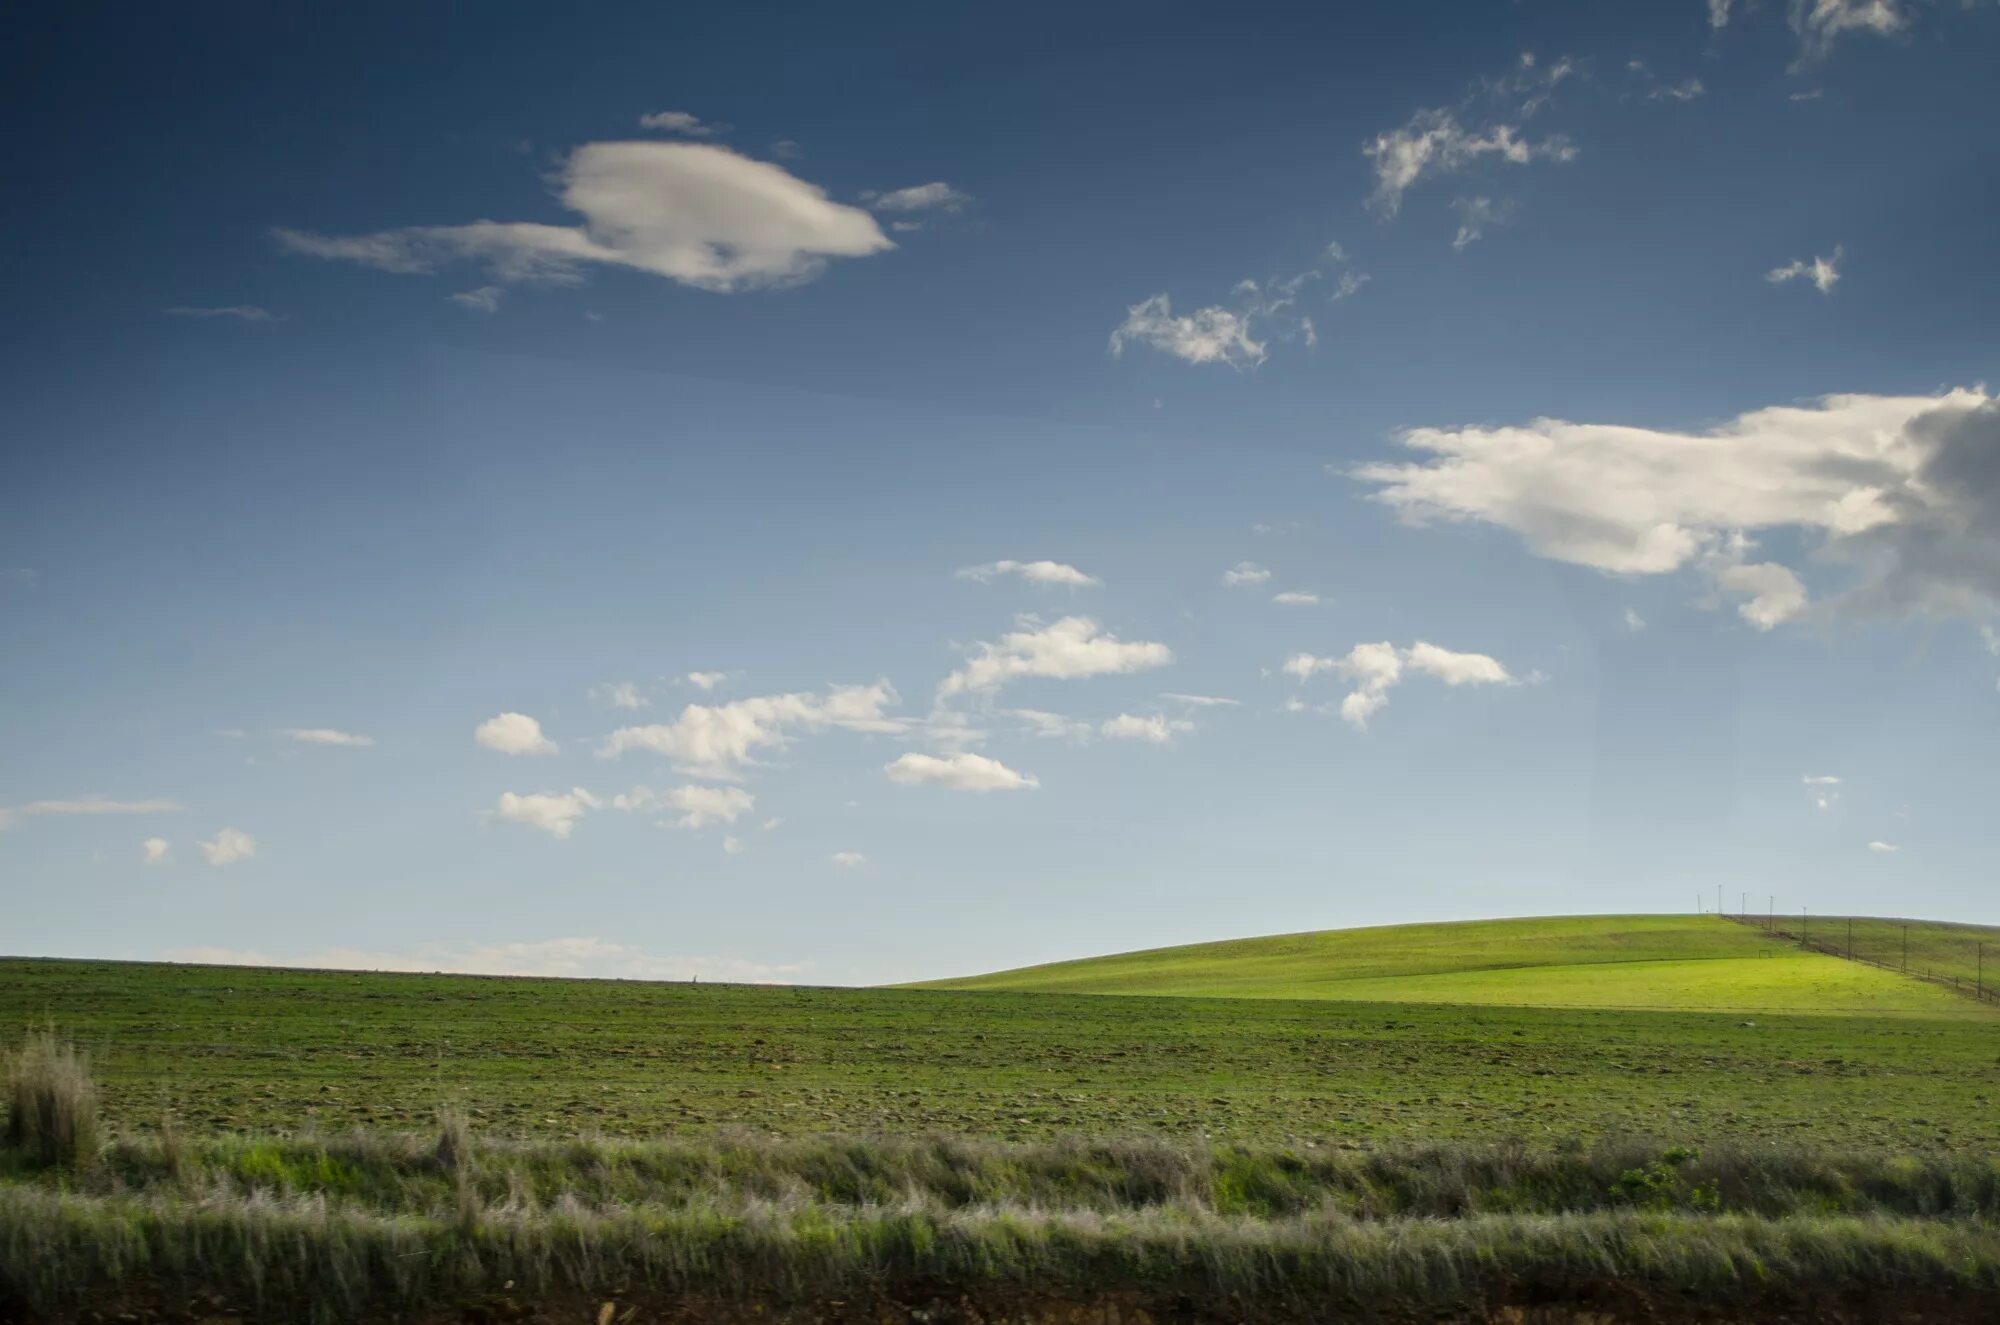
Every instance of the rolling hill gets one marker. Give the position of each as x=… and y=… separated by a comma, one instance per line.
x=1683, y=963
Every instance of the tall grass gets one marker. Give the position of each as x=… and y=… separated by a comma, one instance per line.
x=51, y=1104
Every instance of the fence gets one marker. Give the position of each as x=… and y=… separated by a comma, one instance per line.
x=1842, y=945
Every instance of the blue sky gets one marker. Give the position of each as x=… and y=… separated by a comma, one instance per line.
x=787, y=496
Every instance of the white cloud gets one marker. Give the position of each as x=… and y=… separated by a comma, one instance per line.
x=1633, y=621
x=236, y=312
x=1905, y=489
x=933, y=197
x=156, y=849
x=1207, y=335
x=1474, y=215
x=1685, y=90
x=1718, y=13
x=1154, y=728
x=706, y=680
x=698, y=806
x=326, y=736
x=1035, y=572
x=694, y=213
x=1824, y=273
x=1296, y=598
x=720, y=740
x=1819, y=22
x=1245, y=572
x=1827, y=780
x=1050, y=726
x=732, y=845
x=564, y=957
x=1069, y=649
x=681, y=122
x=1433, y=142
x=1375, y=669
x=1201, y=701
x=555, y=813
x=1884, y=848
x=87, y=805
x=961, y=772
x=513, y=734
x=848, y=860
x=228, y=846
x=1825, y=790
x=620, y=695
x=485, y=299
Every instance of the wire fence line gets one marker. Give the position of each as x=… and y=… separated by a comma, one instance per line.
x=1840, y=942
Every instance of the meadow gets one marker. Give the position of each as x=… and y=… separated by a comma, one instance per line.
x=1776, y=1134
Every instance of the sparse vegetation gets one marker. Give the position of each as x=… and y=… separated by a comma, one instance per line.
x=51, y=1104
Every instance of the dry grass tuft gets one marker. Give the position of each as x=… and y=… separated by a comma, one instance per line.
x=51, y=1104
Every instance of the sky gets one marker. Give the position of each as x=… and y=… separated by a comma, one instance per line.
x=793, y=494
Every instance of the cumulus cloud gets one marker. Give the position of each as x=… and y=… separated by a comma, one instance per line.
x=155, y=849
x=228, y=846
x=1155, y=728
x=694, y=213
x=682, y=122
x=565, y=957
x=87, y=805
x=1035, y=572
x=230, y=312
x=555, y=813
x=697, y=806
x=1903, y=490
x=961, y=772
x=485, y=299
x=1068, y=649
x=721, y=740
x=1375, y=669
x=326, y=736
x=1245, y=572
x=848, y=860
x=621, y=695
x=1822, y=272
x=1207, y=335
x=1296, y=598
x=513, y=734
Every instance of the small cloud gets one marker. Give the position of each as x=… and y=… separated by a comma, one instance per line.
x=936, y=196
x=1375, y=669
x=848, y=860
x=698, y=806
x=1154, y=729
x=706, y=680
x=1069, y=649
x=770, y=824
x=1685, y=90
x=156, y=850
x=1200, y=701
x=732, y=846
x=237, y=312
x=1034, y=572
x=1296, y=598
x=1884, y=848
x=680, y=122
x=1813, y=95
x=1633, y=621
x=486, y=299
x=325, y=736
x=87, y=805
x=1474, y=215
x=228, y=846
x=787, y=150
x=619, y=695
x=1822, y=272
x=513, y=734
x=1245, y=572
x=963, y=771
x=555, y=813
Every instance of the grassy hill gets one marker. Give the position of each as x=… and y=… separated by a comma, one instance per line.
x=1686, y=963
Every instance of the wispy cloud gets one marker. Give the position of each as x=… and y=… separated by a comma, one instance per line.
x=231, y=312
x=325, y=736
x=1071, y=648
x=1035, y=572
x=1375, y=669
x=684, y=123
x=1824, y=272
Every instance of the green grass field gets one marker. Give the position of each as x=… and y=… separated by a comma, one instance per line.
x=1416, y=1123
x=1655, y=962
